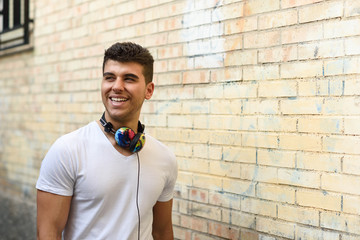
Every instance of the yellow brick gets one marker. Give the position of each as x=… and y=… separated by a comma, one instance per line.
x=291, y=213
x=232, y=123
x=275, y=227
x=278, y=89
x=292, y=3
x=180, y=121
x=319, y=199
x=352, y=86
x=351, y=164
x=310, y=233
x=301, y=106
x=259, y=207
x=242, y=90
x=225, y=107
x=301, y=178
x=320, y=125
x=342, y=28
x=267, y=106
x=351, y=204
x=259, y=173
x=324, y=49
x=196, y=77
x=258, y=6
x=275, y=193
x=341, y=222
x=238, y=218
x=245, y=188
x=227, y=74
x=205, y=211
x=278, y=19
x=303, y=33
x=243, y=155
x=307, y=88
x=342, y=144
x=207, y=181
x=340, y=183
x=240, y=25
x=318, y=161
x=226, y=200
x=221, y=137
x=209, y=91
x=240, y=58
x=259, y=140
x=277, y=124
x=278, y=54
x=321, y=11
x=300, y=142
x=261, y=72
x=276, y=158
x=262, y=39
x=301, y=69
x=225, y=169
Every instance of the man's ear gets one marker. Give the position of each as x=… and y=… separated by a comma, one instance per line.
x=149, y=90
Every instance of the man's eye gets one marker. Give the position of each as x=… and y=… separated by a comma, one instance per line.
x=109, y=78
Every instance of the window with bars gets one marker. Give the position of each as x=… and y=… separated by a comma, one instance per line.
x=14, y=23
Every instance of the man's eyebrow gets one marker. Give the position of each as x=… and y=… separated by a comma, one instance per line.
x=126, y=75
x=108, y=73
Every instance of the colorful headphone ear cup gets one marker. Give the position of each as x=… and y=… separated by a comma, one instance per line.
x=137, y=143
x=123, y=136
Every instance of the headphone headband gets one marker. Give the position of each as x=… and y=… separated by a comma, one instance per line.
x=108, y=127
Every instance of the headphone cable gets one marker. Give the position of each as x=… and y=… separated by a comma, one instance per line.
x=137, y=194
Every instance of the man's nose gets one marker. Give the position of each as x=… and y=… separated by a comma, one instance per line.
x=118, y=85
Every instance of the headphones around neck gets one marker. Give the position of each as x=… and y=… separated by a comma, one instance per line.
x=125, y=137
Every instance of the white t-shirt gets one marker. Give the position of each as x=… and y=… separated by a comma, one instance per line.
x=103, y=183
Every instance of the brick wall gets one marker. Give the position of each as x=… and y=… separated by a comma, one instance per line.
x=258, y=99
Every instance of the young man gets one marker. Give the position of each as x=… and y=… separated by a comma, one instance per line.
x=91, y=184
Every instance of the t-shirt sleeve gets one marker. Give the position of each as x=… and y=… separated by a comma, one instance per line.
x=57, y=172
x=168, y=192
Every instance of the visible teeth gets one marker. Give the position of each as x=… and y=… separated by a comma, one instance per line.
x=118, y=99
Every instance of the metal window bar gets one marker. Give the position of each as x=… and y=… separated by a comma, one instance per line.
x=15, y=23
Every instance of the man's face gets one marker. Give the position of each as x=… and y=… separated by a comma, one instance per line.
x=123, y=91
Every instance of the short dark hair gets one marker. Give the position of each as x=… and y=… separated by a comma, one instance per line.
x=131, y=52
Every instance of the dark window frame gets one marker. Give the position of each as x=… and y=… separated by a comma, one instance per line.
x=15, y=31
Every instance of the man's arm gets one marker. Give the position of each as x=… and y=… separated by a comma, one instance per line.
x=162, y=222
x=52, y=215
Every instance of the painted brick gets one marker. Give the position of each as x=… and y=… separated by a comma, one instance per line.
x=324, y=10
x=259, y=140
x=292, y=3
x=225, y=106
x=276, y=158
x=194, y=223
x=351, y=165
x=266, y=106
x=352, y=8
x=341, y=144
x=277, y=124
x=240, y=58
x=341, y=222
x=278, y=54
x=236, y=154
x=261, y=72
x=320, y=125
x=342, y=28
x=207, y=92
x=226, y=200
x=238, y=218
x=314, y=234
x=309, y=32
x=205, y=210
x=240, y=90
x=323, y=49
x=227, y=74
x=301, y=106
x=257, y=173
x=258, y=6
x=301, y=178
x=291, y=213
x=278, y=89
x=261, y=39
x=275, y=193
x=196, y=77
x=351, y=65
x=301, y=69
x=340, y=183
x=223, y=230
x=297, y=142
x=233, y=123
x=320, y=162
x=275, y=227
x=240, y=25
x=259, y=207
x=278, y=19
x=244, y=188
x=352, y=46
x=208, y=182
x=225, y=169
x=319, y=199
